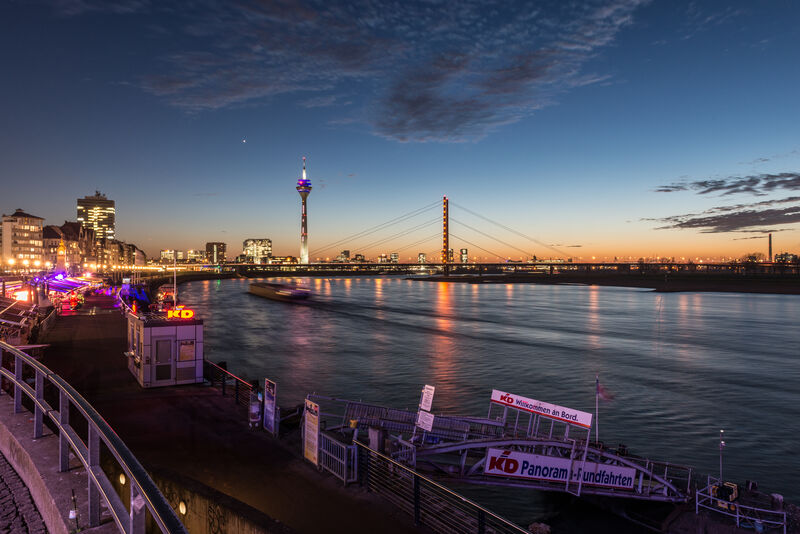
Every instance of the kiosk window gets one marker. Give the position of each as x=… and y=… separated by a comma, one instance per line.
x=186, y=351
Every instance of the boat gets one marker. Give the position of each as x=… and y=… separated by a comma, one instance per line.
x=278, y=291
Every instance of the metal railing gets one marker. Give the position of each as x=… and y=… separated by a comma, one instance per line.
x=228, y=382
x=431, y=504
x=743, y=514
x=339, y=459
x=144, y=495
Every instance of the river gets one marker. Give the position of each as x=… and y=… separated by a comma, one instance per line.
x=681, y=366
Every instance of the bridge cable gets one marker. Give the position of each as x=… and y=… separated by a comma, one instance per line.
x=554, y=249
x=400, y=234
x=373, y=229
x=477, y=246
x=526, y=252
x=437, y=234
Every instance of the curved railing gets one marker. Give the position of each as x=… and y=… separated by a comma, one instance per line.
x=144, y=494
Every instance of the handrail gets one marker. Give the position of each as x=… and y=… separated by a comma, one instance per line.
x=246, y=383
x=445, y=489
x=741, y=512
x=142, y=486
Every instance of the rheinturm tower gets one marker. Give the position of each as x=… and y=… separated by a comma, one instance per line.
x=304, y=188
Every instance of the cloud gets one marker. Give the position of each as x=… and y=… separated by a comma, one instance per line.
x=122, y=7
x=759, y=184
x=699, y=20
x=423, y=71
x=321, y=101
x=753, y=218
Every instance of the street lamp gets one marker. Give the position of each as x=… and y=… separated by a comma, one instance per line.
x=721, y=446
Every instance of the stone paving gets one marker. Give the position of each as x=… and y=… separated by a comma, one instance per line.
x=18, y=513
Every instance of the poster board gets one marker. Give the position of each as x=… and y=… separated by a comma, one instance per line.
x=311, y=433
x=270, y=389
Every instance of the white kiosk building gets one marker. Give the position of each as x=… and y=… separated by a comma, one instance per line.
x=165, y=348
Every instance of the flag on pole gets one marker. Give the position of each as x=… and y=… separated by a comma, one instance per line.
x=602, y=392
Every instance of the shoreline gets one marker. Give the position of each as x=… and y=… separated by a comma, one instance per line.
x=661, y=283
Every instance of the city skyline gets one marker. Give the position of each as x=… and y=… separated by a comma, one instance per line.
x=625, y=128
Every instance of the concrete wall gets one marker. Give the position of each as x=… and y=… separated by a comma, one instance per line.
x=211, y=512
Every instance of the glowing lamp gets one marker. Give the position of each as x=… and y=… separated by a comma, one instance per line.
x=12, y=261
x=21, y=295
x=37, y=263
x=25, y=262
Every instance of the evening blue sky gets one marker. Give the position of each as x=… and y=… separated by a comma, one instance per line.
x=621, y=128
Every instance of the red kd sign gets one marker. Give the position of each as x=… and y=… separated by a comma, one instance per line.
x=180, y=314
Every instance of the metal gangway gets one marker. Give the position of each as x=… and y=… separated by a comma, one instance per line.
x=512, y=446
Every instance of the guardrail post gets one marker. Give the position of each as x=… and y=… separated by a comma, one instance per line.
x=94, y=463
x=481, y=522
x=37, y=411
x=63, y=443
x=138, y=516
x=17, y=388
x=236, y=391
x=224, y=379
x=417, y=510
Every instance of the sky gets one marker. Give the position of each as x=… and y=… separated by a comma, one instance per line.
x=591, y=130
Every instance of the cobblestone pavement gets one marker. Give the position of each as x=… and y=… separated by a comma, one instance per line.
x=17, y=511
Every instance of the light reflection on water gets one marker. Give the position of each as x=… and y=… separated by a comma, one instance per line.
x=682, y=365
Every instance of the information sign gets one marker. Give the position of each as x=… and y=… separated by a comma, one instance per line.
x=425, y=420
x=553, y=411
x=311, y=429
x=427, y=398
x=553, y=469
x=269, y=406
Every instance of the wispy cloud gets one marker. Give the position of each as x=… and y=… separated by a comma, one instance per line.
x=78, y=7
x=423, y=71
x=759, y=184
x=699, y=18
x=755, y=217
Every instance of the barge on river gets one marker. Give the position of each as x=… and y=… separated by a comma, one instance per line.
x=278, y=291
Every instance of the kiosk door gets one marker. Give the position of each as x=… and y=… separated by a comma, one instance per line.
x=164, y=362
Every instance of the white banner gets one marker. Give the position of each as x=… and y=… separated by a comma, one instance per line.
x=553, y=411
x=311, y=428
x=427, y=398
x=425, y=420
x=536, y=467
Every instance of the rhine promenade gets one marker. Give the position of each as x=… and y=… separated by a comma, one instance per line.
x=195, y=436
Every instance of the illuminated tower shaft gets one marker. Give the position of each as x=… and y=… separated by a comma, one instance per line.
x=304, y=188
x=445, y=231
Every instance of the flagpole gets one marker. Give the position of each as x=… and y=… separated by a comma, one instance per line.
x=596, y=408
x=175, y=279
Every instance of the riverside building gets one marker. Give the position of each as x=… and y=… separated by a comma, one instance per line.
x=215, y=253
x=257, y=251
x=21, y=241
x=98, y=213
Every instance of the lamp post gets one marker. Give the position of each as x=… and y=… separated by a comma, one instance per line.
x=721, y=446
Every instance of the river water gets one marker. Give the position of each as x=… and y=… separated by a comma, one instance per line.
x=681, y=366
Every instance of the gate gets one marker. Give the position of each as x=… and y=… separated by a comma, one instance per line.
x=338, y=458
